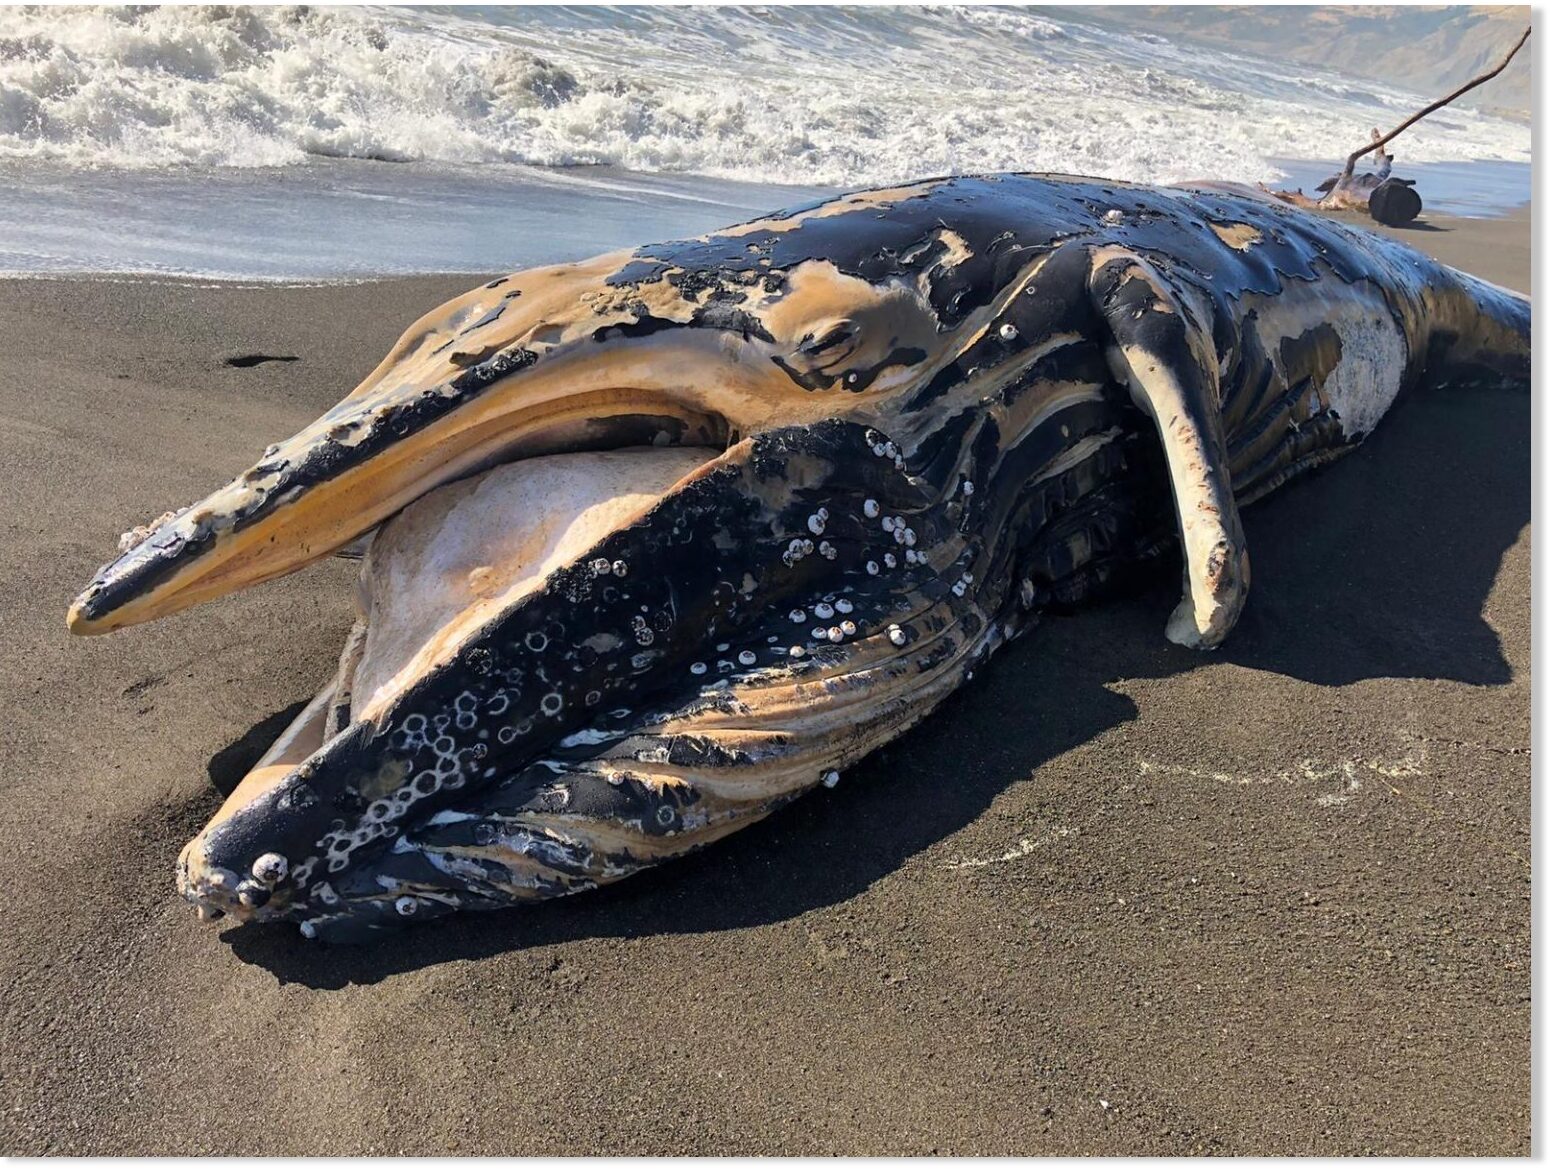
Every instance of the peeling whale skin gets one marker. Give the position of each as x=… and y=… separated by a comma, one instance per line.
x=666, y=538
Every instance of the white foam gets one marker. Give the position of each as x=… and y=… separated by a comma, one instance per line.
x=810, y=96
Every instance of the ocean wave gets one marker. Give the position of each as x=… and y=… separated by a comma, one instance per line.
x=809, y=96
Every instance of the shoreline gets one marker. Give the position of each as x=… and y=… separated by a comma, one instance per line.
x=1274, y=900
x=1496, y=248
x=344, y=220
x=1499, y=235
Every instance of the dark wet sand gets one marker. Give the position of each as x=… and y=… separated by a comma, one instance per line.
x=1114, y=898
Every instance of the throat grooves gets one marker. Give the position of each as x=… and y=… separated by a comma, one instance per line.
x=1072, y=508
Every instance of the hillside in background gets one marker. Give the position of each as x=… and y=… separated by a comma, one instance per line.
x=1427, y=50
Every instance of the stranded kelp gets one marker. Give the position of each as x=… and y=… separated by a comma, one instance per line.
x=665, y=538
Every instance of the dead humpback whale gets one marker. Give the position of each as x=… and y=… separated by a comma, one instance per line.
x=668, y=537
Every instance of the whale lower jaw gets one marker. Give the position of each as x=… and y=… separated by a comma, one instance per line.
x=786, y=659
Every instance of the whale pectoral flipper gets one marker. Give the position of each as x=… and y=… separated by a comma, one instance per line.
x=1169, y=364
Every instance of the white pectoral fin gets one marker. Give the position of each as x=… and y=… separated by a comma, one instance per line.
x=1170, y=368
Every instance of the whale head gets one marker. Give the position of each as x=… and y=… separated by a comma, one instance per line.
x=657, y=541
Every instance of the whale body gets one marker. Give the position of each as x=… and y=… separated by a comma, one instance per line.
x=663, y=539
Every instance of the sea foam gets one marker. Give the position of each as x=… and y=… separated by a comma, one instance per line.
x=796, y=95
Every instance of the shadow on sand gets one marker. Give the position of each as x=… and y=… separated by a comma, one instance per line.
x=1376, y=567
x=229, y=765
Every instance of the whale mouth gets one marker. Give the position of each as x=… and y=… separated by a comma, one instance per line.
x=460, y=555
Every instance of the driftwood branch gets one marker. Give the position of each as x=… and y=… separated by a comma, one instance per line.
x=1388, y=200
x=1350, y=163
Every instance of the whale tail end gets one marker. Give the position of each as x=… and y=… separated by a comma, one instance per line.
x=1483, y=334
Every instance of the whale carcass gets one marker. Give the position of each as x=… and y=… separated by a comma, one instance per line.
x=663, y=539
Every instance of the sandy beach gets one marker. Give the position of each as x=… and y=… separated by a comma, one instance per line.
x=1114, y=898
